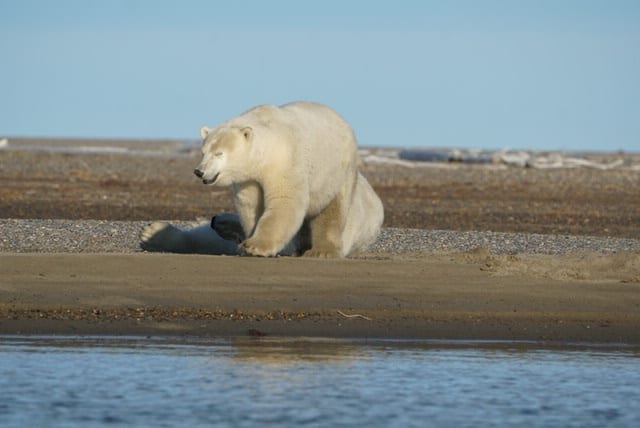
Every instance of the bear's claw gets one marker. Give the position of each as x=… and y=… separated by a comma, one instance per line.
x=322, y=253
x=255, y=250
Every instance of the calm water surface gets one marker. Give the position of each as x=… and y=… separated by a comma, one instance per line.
x=48, y=381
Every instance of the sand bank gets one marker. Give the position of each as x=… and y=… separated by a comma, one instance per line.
x=437, y=296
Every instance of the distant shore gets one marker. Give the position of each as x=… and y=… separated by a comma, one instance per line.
x=469, y=251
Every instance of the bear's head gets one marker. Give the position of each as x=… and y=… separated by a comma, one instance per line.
x=224, y=155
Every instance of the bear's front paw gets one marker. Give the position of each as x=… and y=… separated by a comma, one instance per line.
x=253, y=247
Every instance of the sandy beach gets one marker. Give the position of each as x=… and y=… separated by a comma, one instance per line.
x=488, y=252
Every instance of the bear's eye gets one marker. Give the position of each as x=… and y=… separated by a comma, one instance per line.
x=218, y=154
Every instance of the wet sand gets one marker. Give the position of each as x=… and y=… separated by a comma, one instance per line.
x=580, y=291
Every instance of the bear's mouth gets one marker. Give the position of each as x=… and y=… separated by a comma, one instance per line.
x=211, y=180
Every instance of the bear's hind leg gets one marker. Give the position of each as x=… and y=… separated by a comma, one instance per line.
x=326, y=230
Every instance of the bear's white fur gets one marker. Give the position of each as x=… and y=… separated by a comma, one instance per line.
x=289, y=166
x=202, y=239
x=219, y=237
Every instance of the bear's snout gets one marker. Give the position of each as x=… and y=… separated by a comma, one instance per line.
x=198, y=172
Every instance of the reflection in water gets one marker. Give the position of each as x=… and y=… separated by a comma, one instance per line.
x=287, y=352
x=248, y=382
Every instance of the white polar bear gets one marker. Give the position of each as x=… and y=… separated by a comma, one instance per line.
x=295, y=181
x=219, y=237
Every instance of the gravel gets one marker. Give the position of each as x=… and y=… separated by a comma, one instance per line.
x=96, y=236
x=393, y=240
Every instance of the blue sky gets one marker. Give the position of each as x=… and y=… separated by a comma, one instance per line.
x=559, y=74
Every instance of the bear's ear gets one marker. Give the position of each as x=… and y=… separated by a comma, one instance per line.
x=247, y=131
x=204, y=131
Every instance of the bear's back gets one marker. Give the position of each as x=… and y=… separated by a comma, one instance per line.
x=327, y=150
x=317, y=131
x=319, y=142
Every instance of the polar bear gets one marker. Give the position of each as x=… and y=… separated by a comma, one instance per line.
x=221, y=236
x=293, y=170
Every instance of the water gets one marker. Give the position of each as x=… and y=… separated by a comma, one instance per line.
x=261, y=382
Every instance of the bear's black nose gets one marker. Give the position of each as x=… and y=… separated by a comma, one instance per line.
x=198, y=173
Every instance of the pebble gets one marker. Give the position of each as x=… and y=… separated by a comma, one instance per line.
x=100, y=236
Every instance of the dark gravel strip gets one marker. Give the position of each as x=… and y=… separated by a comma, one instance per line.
x=95, y=236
